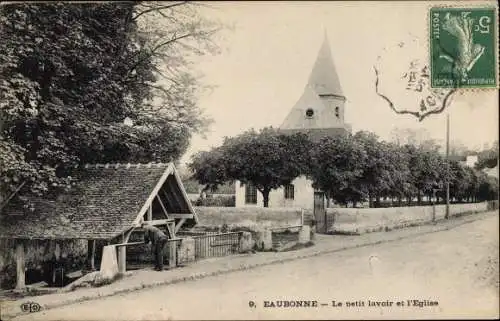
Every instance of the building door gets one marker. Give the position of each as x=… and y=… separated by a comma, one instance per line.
x=320, y=212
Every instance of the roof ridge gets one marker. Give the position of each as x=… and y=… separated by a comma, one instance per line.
x=124, y=165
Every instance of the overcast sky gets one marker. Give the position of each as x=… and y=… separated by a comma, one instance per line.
x=267, y=58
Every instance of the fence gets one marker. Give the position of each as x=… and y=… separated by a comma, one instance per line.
x=492, y=205
x=216, y=244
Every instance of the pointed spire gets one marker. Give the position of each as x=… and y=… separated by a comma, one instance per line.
x=324, y=78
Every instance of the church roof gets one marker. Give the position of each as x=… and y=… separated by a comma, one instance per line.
x=324, y=79
x=309, y=99
x=324, y=111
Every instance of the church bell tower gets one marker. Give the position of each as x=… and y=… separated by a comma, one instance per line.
x=320, y=111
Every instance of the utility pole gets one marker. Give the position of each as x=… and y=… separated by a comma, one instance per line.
x=447, y=213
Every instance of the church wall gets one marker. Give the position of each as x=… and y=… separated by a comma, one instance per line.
x=303, y=198
x=330, y=117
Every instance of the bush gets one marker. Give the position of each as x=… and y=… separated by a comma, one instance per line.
x=217, y=201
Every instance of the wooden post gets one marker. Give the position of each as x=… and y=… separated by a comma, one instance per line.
x=122, y=251
x=172, y=253
x=122, y=256
x=91, y=254
x=171, y=229
x=20, y=266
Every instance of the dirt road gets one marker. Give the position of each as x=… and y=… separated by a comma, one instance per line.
x=449, y=274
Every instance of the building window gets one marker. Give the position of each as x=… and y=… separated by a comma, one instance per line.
x=289, y=192
x=309, y=113
x=250, y=194
x=337, y=113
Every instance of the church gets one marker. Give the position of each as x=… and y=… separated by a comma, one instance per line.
x=318, y=112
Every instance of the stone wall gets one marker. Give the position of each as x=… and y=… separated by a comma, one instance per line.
x=38, y=253
x=250, y=217
x=376, y=219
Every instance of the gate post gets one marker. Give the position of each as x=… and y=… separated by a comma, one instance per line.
x=20, y=265
x=172, y=251
x=320, y=212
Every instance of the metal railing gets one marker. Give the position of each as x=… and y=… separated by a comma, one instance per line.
x=216, y=244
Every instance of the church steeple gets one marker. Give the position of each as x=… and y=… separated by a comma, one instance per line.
x=324, y=79
x=320, y=109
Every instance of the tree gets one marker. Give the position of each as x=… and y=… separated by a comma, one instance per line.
x=398, y=162
x=378, y=170
x=473, y=184
x=338, y=167
x=428, y=170
x=266, y=159
x=488, y=158
x=460, y=181
x=488, y=188
x=78, y=71
x=209, y=168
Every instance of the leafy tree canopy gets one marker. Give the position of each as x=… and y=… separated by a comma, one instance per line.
x=266, y=159
x=71, y=74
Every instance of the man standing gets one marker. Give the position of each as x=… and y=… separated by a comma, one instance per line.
x=158, y=240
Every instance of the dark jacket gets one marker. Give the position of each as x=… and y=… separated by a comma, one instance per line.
x=153, y=234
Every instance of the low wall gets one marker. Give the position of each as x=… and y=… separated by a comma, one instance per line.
x=250, y=217
x=38, y=255
x=364, y=220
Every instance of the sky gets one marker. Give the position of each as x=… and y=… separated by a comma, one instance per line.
x=267, y=56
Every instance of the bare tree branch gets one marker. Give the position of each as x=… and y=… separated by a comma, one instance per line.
x=12, y=195
x=159, y=8
x=153, y=51
x=165, y=91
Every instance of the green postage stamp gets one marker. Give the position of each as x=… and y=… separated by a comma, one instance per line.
x=463, y=47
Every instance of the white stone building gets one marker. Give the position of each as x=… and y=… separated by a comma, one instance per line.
x=318, y=112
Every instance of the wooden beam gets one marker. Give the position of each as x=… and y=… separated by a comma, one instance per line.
x=184, y=194
x=127, y=235
x=128, y=244
x=20, y=265
x=160, y=222
x=179, y=199
x=162, y=206
x=179, y=224
x=181, y=215
x=171, y=229
x=155, y=190
x=149, y=216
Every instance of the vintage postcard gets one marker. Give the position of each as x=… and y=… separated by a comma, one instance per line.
x=244, y=160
